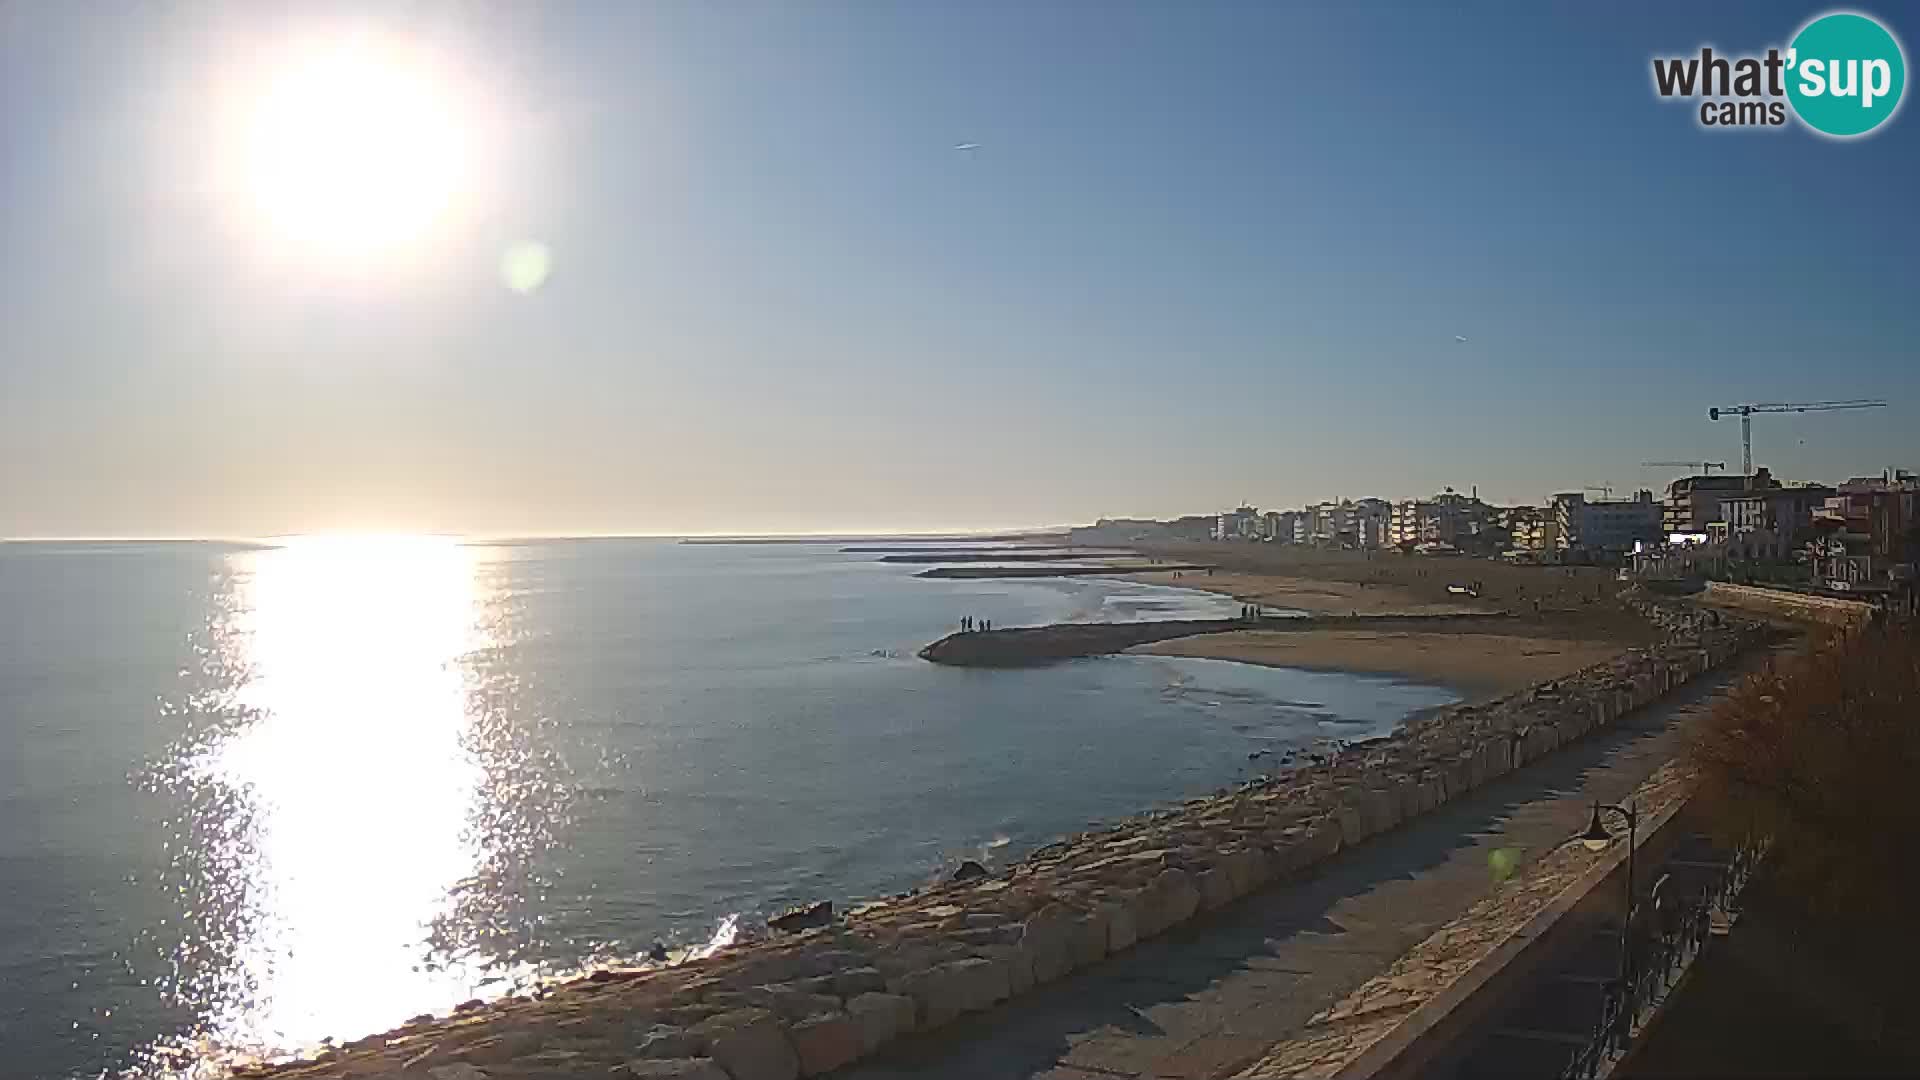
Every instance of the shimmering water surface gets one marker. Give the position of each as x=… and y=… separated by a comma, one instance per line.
x=251, y=797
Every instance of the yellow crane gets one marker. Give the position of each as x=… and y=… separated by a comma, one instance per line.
x=1745, y=413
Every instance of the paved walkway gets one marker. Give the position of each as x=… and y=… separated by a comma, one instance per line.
x=1207, y=999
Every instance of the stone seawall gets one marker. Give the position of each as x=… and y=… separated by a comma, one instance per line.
x=1805, y=607
x=809, y=1004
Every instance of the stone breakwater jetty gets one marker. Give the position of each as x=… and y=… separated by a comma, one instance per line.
x=1046, y=571
x=1032, y=645
x=808, y=1004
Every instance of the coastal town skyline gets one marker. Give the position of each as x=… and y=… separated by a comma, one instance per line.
x=670, y=270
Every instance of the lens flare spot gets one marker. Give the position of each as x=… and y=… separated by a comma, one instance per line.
x=526, y=266
x=1503, y=862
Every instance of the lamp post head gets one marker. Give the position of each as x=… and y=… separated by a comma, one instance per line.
x=1596, y=838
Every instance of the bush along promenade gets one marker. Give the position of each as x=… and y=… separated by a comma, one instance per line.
x=807, y=1004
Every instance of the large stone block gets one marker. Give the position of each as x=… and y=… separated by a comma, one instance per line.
x=922, y=988
x=1248, y=868
x=982, y=982
x=1382, y=809
x=825, y=1043
x=1216, y=887
x=751, y=1045
x=1087, y=945
x=1541, y=740
x=1049, y=940
x=1308, y=845
x=1496, y=758
x=1121, y=929
x=859, y=980
x=1170, y=899
x=881, y=1018
x=1353, y=823
x=1433, y=792
x=1019, y=964
x=1406, y=791
x=789, y=1003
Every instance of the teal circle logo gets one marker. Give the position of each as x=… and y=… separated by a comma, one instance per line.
x=1845, y=74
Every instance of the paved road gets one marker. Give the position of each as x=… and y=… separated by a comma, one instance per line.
x=1210, y=997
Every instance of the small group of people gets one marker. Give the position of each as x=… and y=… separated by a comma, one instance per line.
x=969, y=624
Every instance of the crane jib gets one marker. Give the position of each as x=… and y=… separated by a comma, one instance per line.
x=1745, y=413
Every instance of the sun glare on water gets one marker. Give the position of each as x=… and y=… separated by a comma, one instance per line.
x=360, y=782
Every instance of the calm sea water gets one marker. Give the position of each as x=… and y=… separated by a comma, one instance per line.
x=254, y=797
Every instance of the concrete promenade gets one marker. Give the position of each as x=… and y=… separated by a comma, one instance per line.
x=1210, y=997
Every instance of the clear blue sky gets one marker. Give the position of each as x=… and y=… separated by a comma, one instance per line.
x=1205, y=252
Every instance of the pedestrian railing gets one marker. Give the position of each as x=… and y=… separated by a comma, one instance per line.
x=1658, y=960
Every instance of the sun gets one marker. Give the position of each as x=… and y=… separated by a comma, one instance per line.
x=353, y=146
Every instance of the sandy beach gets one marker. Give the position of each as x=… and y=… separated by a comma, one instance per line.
x=1563, y=618
x=1316, y=596
x=1478, y=665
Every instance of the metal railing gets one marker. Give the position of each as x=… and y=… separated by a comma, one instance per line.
x=1659, y=959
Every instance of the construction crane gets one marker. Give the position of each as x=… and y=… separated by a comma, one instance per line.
x=1696, y=466
x=1745, y=413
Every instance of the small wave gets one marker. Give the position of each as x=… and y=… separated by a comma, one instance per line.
x=724, y=935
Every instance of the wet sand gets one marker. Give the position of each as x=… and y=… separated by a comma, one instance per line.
x=1478, y=665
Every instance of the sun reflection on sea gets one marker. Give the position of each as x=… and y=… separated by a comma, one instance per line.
x=352, y=784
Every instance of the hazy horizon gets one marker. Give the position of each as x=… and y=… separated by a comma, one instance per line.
x=678, y=269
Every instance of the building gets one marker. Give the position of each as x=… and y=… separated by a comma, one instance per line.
x=1193, y=527
x=1609, y=526
x=1693, y=502
x=1277, y=526
x=1330, y=524
x=1119, y=531
x=1533, y=529
x=1403, y=522
x=1242, y=523
x=1370, y=520
x=1869, y=530
x=1447, y=518
x=1783, y=510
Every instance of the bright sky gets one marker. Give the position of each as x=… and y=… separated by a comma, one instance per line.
x=252, y=273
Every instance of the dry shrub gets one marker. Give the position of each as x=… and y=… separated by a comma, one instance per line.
x=1821, y=754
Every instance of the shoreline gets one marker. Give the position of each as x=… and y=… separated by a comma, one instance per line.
x=815, y=1002
x=1478, y=665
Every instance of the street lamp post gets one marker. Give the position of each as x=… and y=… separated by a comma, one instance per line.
x=1596, y=838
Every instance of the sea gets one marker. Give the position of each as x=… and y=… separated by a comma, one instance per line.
x=257, y=796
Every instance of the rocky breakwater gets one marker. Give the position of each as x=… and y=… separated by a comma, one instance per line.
x=811, y=1003
x=1028, y=646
